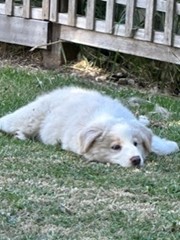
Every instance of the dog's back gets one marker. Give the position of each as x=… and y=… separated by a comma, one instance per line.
x=62, y=107
x=76, y=108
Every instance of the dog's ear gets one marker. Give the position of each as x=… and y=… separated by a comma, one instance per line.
x=88, y=136
x=146, y=135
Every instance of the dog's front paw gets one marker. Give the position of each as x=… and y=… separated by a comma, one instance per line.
x=172, y=147
x=162, y=146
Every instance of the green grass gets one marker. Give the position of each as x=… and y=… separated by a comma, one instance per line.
x=47, y=193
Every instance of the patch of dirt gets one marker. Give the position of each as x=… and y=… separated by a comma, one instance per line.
x=19, y=56
x=22, y=57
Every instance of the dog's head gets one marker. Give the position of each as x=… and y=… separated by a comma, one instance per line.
x=120, y=143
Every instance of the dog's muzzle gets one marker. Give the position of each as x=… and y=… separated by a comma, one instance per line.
x=136, y=161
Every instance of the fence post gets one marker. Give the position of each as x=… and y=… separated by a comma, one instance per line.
x=52, y=56
x=58, y=53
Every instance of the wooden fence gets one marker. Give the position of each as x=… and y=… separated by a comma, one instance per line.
x=147, y=28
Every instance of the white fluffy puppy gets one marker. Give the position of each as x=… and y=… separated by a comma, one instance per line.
x=88, y=123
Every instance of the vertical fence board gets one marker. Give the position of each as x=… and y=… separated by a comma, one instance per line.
x=9, y=7
x=150, y=8
x=45, y=9
x=90, y=11
x=72, y=12
x=53, y=10
x=109, y=16
x=130, y=7
x=26, y=8
x=169, y=19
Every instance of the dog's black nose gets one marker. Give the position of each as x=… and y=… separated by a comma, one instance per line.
x=136, y=160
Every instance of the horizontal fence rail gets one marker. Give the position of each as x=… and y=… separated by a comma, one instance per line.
x=148, y=28
x=21, y=23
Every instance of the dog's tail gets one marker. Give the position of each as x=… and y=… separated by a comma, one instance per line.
x=162, y=146
x=4, y=123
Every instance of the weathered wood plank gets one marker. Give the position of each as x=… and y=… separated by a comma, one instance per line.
x=45, y=9
x=160, y=4
x=36, y=13
x=150, y=8
x=52, y=57
x=124, y=45
x=26, y=8
x=119, y=29
x=19, y=31
x=130, y=7
x=53, y=10
x=169, y=20
x=177, y=8
x=158, y=37
x=72, y=8
x=63, y=18
x=9, y=7
x=90, y=11
x=109, y=16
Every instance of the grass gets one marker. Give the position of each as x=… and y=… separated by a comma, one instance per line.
x=47, y=193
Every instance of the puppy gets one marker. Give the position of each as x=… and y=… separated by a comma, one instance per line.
x=88, y=123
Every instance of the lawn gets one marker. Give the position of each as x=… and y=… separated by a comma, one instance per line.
x=47, y=193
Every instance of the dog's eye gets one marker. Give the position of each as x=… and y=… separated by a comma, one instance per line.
x=116, y=147
x=135, y=143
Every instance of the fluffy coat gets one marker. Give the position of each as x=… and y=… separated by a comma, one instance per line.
x=88, y=123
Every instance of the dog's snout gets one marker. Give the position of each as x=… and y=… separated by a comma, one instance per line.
x=136, y=160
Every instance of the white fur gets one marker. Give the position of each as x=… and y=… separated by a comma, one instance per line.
x=162, y=146
x=87, y=123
